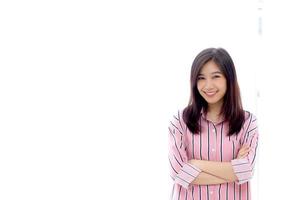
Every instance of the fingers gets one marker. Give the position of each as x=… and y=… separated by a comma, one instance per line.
x=244, y=154
x=244, y=150
x=245, y=146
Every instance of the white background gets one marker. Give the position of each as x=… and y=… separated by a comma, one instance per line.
x=88, y=88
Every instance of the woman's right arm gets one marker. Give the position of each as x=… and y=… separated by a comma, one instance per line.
x=182, y=172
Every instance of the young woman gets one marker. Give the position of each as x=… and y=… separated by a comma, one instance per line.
x=213, y=141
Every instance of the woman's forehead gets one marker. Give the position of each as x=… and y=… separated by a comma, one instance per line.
x=210, y=68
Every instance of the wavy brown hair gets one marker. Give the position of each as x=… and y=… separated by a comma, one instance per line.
x=232, y=108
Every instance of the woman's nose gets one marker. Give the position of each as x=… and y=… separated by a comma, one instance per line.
x=208, y=84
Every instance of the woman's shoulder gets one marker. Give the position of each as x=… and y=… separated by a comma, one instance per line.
x=177, y=114
x=250, y=117
x=177, y=117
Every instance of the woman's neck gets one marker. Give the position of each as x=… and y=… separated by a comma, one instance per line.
x=214, y=109
x=213, y=113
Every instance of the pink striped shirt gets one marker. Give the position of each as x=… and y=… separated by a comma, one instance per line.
x=213, y=144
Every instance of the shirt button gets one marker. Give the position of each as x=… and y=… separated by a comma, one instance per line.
x=214, y=130
x=211, y=192
x=213, y=149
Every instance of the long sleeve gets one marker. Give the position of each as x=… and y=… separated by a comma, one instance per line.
x=182, y=172
x=244, y=167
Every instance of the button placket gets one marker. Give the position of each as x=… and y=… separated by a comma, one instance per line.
x=213, y=145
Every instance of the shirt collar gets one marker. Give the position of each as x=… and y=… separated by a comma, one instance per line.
x=203, y=115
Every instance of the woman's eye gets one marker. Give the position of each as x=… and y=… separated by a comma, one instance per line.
x=216, y=76
x=200, y=78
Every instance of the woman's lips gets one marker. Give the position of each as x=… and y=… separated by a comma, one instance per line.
x=210, y=94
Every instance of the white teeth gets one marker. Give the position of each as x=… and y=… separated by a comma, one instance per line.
x=210, y=93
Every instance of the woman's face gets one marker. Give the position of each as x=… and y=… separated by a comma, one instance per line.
x=211, y=84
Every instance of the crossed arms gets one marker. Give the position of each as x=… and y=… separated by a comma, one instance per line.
x=217, y=172
x=203, y=172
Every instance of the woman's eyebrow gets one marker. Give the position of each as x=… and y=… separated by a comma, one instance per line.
x=216, y=72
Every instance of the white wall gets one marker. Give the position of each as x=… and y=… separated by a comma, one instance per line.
x=279, y=101
x=88, y=88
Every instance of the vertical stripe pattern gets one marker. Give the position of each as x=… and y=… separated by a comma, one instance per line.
x=211, y=144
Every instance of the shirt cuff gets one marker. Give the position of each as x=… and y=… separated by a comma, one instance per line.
x=187, y=175
x=240, y=168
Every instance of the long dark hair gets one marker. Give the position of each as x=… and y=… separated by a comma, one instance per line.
x=232, y=108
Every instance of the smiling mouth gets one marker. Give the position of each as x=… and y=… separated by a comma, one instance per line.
x=210, y=93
